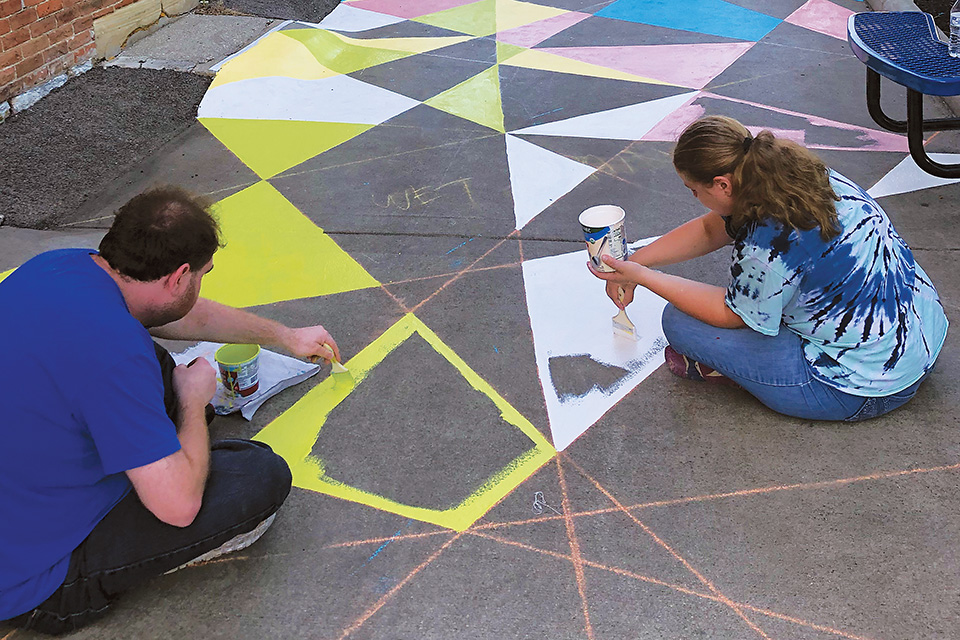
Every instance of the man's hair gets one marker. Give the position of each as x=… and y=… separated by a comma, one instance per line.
x=772, y=177
x=158, y=231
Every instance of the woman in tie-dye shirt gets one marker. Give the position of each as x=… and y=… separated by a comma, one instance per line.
x=827, y=315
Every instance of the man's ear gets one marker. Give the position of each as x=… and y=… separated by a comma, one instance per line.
x=178, y=279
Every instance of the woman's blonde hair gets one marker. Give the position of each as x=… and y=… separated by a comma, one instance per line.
x=771, y=177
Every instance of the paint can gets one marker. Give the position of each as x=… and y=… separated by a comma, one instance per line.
x=239, y=366
x=603, y=232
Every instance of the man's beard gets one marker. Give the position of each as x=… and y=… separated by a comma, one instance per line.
x=169, y=313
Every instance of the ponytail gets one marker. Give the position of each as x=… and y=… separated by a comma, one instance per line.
x=771, y=177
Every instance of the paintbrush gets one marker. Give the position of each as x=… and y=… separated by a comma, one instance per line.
x=335, y=366
x=622, y=325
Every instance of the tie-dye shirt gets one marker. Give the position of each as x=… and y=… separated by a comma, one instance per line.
x=870, y=319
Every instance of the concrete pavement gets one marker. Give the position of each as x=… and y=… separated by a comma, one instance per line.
x=684, y=511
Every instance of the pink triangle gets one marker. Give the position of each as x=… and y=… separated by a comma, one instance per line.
x=533, y=34
x=823, y=17
x=686, y=65
x=670, y=128
x=408, y=8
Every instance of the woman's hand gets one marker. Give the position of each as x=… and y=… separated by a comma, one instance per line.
x=621, y=294
x=625, y=277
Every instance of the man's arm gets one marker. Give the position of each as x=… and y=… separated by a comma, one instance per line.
x=172, y=488
x=209, y=320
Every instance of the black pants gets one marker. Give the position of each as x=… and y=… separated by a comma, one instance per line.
x=247, y=484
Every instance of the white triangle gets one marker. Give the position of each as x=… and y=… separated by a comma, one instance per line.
x=539, y=177
x=347, y=18
x=907, y=176
x=631, y=122
x=335, y=99
x=570, y=315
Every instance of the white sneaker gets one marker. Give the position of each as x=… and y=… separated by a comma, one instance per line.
x=235, y=543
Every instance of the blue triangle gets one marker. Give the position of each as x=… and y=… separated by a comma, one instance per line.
x=713, y=17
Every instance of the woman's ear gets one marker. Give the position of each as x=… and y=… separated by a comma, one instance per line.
x=725, y=183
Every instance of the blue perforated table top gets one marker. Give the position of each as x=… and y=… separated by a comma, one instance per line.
x=903, y=46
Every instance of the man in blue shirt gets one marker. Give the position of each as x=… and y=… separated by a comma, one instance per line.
x=94, y=408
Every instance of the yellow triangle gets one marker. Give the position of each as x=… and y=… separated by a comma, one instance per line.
x=543, y=61
x=271, y=146
x=512, y=14
x=411, y=45
x=506, y=51
x=273, y=253
x=5, y=274
x=275, y=55
x=477, y=18
x=344, y=54
x=476, y=99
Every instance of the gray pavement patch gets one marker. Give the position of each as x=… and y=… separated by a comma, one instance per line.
x=575, y=376
x=193, y=42
x=306, y=10
x=416, y=432
x=76, y=141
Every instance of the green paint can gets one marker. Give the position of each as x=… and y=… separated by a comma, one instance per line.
x=239, y=366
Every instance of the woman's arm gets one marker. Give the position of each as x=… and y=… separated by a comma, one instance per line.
x=704, y=302
x=692, y=239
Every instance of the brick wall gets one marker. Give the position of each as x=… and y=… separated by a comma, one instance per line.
x=40, y=39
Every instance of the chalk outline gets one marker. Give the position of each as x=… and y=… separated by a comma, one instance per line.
x=291, y=437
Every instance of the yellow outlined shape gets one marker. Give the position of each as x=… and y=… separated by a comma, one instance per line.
x=293, y=434
x=4, y=274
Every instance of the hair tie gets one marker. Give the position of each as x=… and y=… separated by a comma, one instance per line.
x=747, y=142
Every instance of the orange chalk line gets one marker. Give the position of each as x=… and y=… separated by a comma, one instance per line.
x=397, y=300
x=882, y=475
x=574, y=551
x=675, y=587
x=595, y=565
x=670, y=550
x=383, y=600
x=660, y=503
x=406, y=536
x=450, y=274
x=9, y=635
x=457, y=277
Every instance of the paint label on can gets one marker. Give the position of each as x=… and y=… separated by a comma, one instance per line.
x=603, y=232
x=241, y=380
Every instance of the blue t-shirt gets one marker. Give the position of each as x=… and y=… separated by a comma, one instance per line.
x=82, y=403
x=870, y=319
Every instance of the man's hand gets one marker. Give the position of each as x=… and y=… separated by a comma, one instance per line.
x=172, y=487
x=311, y=343
x=195, y=383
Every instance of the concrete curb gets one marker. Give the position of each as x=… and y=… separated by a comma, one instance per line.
x=952, y=102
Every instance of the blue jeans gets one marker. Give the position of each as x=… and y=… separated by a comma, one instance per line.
x=773, y=370
x=246, y=485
